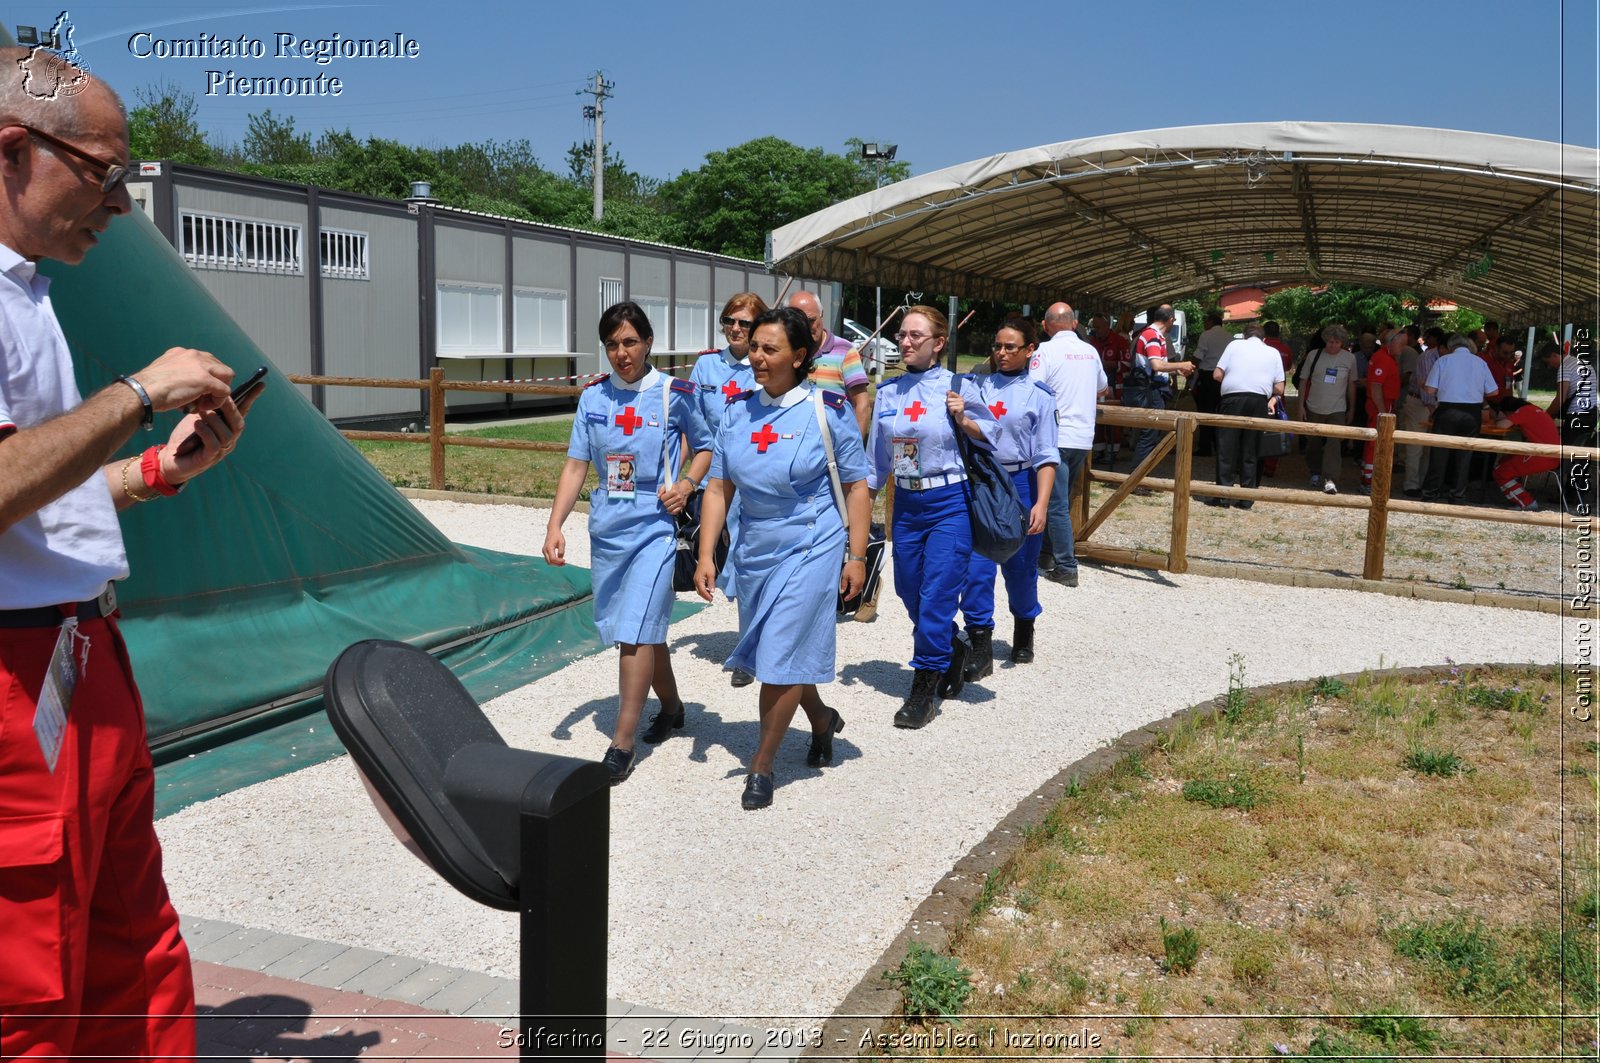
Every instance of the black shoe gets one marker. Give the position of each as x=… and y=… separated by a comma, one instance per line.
x=1412, y=492
x=619, y=762
x=981, y=661
x=1021, y=640
x=757, y=791
x=820, y=755
x=1067, y=577
x=1243, y=503
x=918, y=707
x=662, y=724
x=741, y=678
x=955, y=673
x=1221, y=502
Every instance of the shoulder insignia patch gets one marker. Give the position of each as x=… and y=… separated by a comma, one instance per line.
x=1042, y=386
x=833, y=400
x=711, y=350
x=682, y=387
x=601, y=380
x=739, y=396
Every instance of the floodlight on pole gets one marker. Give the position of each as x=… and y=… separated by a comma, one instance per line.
x=872, y=151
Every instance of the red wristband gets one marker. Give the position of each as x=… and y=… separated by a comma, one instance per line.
x=150, y=466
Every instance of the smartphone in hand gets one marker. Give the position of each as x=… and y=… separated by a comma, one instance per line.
x=251, y=385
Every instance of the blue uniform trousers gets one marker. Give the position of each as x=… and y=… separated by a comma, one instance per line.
x=1021, y=571
x=932, y=541
x=1058, y=521
x=1145, y=398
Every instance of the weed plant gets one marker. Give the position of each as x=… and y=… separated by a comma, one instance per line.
x=934, y=986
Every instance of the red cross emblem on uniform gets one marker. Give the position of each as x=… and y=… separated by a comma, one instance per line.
x=627, y=420
x=730, y=389
x=998, y=409
x=915, y=410
x=764, y=438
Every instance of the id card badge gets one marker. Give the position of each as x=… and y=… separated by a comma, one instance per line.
x=621, y=477
x=907, y=458
x=55, y=699
x=1330, y=375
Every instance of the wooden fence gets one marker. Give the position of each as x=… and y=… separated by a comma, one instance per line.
x=1179, y=428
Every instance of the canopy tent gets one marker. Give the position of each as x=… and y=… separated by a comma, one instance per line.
x=245, y=588
x=1501, y=224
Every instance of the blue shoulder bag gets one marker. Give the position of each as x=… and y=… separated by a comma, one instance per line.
x=999, y=521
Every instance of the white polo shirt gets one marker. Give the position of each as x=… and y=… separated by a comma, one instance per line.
x=1250, y=366
x=67, y=550
x=1073, y=372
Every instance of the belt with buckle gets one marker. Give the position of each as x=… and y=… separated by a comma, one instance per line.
x=927, y=482
x=1013, y=466
x=53, y=615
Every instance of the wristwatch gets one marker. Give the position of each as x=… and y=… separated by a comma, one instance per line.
x=848, y=556
x=147, y=420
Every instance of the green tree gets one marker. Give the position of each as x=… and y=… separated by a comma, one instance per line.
x=1460, y=320
x=1302, y=310
x=271, y=141
x=163, y=126
x=738, y=196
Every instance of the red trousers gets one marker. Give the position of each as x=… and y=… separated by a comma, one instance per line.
x=1519, y=466
x=92, y=961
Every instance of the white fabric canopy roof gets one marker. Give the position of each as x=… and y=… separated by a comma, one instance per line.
x=1500, y=224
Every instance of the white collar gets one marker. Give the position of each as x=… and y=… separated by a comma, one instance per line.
x=727, y=356
x=793, y=397
x=644, y=383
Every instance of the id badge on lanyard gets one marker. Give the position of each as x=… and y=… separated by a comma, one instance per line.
x=55, y=698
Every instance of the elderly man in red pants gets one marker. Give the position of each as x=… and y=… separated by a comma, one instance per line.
x=93, y=964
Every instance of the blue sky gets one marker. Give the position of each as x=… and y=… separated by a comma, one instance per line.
x=948, y=82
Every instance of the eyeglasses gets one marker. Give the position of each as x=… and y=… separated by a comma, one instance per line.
x=737, y=322
x=112, y=175
x=912, y=337
x=1007, y=348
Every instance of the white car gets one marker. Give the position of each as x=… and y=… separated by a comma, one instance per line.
x=881, y=351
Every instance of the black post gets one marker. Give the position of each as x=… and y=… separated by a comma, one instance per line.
x=565, y=856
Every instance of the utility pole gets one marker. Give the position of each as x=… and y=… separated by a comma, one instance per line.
x=597, y=111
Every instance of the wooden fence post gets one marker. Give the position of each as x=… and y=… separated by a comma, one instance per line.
x=1183, y=468
x=1382, y=483
x=436, y=427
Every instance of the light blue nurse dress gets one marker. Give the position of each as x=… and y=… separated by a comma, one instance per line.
x=791, y=539
x=631, y=540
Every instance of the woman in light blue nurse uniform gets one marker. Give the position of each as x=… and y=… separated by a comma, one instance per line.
x=1026, y=446
x=631, y=426
x=915, y=417
x=794, y=554
x=719, y=376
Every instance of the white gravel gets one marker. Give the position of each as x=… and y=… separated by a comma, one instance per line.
x=721, y=912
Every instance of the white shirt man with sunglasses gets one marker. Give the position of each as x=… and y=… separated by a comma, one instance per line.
x=94, y=964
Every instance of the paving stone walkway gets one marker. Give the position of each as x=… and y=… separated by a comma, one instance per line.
x=264, y=995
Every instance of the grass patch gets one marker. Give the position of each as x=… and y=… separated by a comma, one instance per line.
x=1223, y=793
x=1343, y=882
x=1434, y=762
x=934, y=986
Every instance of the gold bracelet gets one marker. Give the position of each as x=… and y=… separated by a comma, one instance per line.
x=127, y=488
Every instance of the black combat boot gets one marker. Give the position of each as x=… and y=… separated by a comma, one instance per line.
x=981, y=662
x=1021, y=640
x=918, y=709
x=955, y=673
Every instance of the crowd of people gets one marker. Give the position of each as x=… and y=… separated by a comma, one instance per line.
x=1451, y=384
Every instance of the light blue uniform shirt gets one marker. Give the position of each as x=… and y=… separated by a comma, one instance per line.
x=1026, y=412
x=910, y=410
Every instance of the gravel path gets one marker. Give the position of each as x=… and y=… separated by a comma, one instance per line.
x=721, y=912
